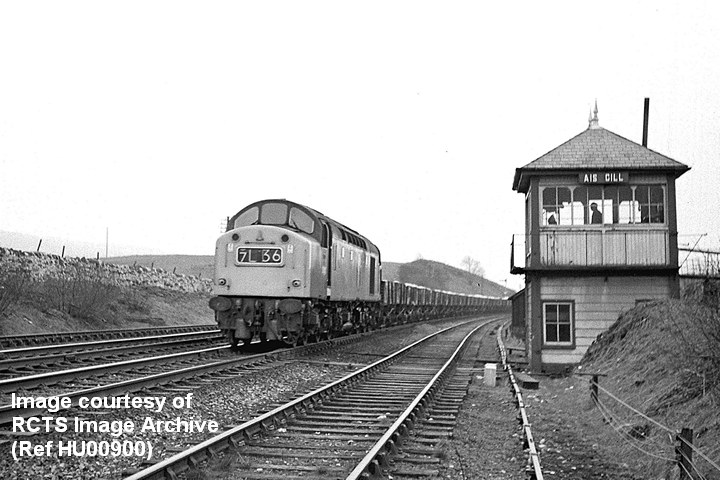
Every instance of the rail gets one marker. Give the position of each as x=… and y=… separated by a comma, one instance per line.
x=533, y=469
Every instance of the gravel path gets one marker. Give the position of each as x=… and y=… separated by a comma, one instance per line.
x=486, y=442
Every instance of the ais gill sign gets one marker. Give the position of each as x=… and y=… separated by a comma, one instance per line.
x=604, y=177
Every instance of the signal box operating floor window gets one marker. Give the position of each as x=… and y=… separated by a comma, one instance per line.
x=558, y=324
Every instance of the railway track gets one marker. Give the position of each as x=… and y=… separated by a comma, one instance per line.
x=127, y=376
x=17, y=341
x=103, y=379
x=29, y=360
x=220, y=388
x=350, y=427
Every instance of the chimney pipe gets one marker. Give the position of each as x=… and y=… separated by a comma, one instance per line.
x=645, y=122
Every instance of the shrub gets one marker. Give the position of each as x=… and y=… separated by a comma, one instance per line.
x=12, y=288
x=698, y=337
x=83, y=293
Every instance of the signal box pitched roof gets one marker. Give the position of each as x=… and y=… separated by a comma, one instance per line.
x=596, y=149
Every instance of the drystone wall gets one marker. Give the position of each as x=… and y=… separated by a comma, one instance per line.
x=42, y=266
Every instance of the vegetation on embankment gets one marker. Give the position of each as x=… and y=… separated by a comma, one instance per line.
x=662, y=359
x=46, y=293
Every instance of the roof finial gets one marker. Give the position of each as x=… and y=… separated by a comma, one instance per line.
x=593, y=120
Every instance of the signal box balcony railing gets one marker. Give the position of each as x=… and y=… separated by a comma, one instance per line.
x=591, y=249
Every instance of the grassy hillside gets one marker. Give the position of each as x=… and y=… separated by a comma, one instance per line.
x=662, y=359
x=439, y=276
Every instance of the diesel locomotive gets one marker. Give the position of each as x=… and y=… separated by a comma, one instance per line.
x=284, y=271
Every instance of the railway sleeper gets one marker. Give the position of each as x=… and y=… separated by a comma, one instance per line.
x=415, y=473
x=292, y=454
x=358, y=417
x=422, y=450
x=417, y=459
x=337, y=430
x=283, y=440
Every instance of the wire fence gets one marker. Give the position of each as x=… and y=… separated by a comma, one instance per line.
x=664, y=450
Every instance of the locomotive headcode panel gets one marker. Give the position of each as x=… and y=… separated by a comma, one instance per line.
x=260, y=256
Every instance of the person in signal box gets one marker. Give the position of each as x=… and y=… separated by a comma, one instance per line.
x=596, y=215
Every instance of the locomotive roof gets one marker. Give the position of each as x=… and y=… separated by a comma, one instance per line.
x=312, y=212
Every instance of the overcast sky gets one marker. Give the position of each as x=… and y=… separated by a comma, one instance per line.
x=402, y=120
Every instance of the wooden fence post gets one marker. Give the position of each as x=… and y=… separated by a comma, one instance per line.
x=684, y=453
x=594, y=389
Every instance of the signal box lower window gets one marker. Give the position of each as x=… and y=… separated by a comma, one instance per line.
x=558, y=324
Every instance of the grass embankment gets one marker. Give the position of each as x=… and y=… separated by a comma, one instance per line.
x=57, y=306
x=663, y=360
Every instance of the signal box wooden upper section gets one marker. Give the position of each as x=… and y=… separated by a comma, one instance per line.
x=598, y=202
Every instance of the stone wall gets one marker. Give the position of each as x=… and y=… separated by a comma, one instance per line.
x=42, y=266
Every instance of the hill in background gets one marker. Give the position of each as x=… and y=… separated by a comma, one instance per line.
x=427, y=273
x=439, y=276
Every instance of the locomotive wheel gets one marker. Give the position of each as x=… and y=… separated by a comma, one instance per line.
x=230, y=335
x=293, y=339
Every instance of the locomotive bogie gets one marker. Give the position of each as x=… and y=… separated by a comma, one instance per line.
x=287, y=319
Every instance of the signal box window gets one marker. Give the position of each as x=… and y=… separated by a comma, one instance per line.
x=606, y=205
x=556, y=206
x=650, y=202
x=558, y=324
x=622, y=203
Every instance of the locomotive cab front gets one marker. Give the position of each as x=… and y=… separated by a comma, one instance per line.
x=269, y=266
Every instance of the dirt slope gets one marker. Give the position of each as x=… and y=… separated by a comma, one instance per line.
x=661, y=360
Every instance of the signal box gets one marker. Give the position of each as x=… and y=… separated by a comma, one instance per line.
x=600, y=236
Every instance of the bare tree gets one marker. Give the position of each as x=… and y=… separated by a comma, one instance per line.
x=473, y=266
